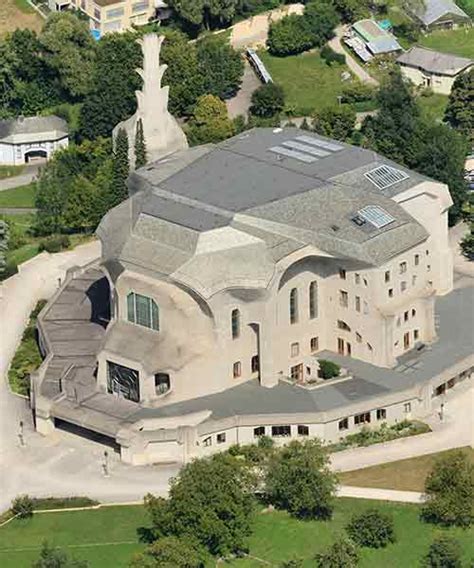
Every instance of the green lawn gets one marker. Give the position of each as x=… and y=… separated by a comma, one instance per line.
x=107, y=537
x=309, y=83
x=23, y=6
x=433, y=106
x=23, y=196
x=404, y=475
x=459, y=42
x=9, y=171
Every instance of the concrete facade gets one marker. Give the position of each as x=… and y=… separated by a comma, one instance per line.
x=232, y=270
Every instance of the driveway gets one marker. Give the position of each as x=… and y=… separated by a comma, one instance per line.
x=28, y=175
x=241, y=102
x=354, y=66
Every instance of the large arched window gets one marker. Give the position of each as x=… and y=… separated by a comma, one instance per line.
x=143, y=311
x=313, y=300
x=294, y=305
x=235, y=323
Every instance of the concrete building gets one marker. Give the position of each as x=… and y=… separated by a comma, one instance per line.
x=428, y=68
x=23, y=140
x=375, y=39
x=440, y=14
x=225, y=278
x=115, y=15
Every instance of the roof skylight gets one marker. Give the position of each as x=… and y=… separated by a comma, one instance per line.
x=385, y=176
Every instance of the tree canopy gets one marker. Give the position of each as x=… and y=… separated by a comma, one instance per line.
x=51, y=557
x=335, y=122
x=268, y=100
x=210, y=122
x=460, y=110
x=444, y=552
x=170, y=552
x=341, y=554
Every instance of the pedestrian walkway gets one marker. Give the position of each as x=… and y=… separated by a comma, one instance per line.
x=28, y=175
x=380, y=494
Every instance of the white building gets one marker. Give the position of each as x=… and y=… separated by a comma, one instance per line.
x=23, y=140
x=433, y=69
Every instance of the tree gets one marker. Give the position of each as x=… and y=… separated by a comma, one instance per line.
x=140, y=147
x=444, y=552
x=268, y=100
x=69, y=49
x=350, y=10
x=320, y=20
x=450, y=491
x=299, y=481
x=342, y=554
x=170, y=552
x=120, y=170
x=221, y=66
x=22, y=506
x=335, y=122
x=4, y=240
x=467, y=243
x=372, y=529
x=191, y=11
x=211, y=500
x=210, y=122
x=460, y=110
x=50, y=200
x=289, y=36
x=81, y=206
x=51, y=557
x=114, y=84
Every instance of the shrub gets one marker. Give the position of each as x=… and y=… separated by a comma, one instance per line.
x=357, y=93
x=22, y=506
x=289, y=36
x=46, y=503
x=372, y=529
x=342, y=554
x=299, y=481
x=54, y=243
x=330, y=56
x=336, y=122
x=328, y=369
x=173, y=552
x=10, y=270
x=450, y=491
x=268, y=101
x=444, y=552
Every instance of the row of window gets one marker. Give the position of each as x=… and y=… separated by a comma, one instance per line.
x=312, y=302
x=406, y=339
x=403, y=266
x=366, y=417
x=357, y=277
x=254, y=367
x=358, y=303
x=313, y=347
x=283, y=431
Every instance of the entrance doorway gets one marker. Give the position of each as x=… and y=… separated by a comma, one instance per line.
x=406, y=340
x=35, y=156
x=344, y=347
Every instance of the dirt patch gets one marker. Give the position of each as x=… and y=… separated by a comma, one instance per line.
x=18, y=14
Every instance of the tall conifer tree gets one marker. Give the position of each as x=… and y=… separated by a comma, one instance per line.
x=140, y=146
x=120, y=170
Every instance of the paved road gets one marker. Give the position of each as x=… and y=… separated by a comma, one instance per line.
x=351, y=62
x=241, y=102
x=27, y=176
x=62, y=464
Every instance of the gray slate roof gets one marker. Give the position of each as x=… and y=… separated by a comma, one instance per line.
x=33, y=125
x=434, y=61
x=429, y=11
x=245, y=188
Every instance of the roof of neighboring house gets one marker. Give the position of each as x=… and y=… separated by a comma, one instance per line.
x=434, y=61
x=223, y=215
x=429, y=11
x=378, y=40
x=32, y=125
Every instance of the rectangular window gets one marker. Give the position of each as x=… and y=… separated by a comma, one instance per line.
x=314, y=344
x=357, y=303
x=381, y=414
x=406, y=340
x=416, y=334
x=357, y=278
x=123, y=381
x=343, y=424
x=254, y=364
x=259, y=431
x=343, y=298
x=390, y=292
x=207, y=441
x=220, y=438
x=363, y=418
x=403, y=286
x=114, y=26
x=281, y=431
x=140, y=6
x=405, y=316
x=294, y=306
x=303, y=430
x=407, y=407
x=237, y=369
x=413, y=312
x=387, y=276
x=366, y=308
x=142, y=311
x=115, y=13
x=413, y=280
x=142, y=305
x=417, y=259
x=296, y=372
x=295, y=349
x=342, y=274
x=403, y=267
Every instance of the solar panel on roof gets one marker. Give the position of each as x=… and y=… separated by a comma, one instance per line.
x=305, y=148
x=320, y=143
x=292, y=154
x=376, y=215
x=385, y=176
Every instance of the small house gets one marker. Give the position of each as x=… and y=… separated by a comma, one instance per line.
x=436, y=14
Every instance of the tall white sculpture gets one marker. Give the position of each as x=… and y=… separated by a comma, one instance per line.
x=162, y=133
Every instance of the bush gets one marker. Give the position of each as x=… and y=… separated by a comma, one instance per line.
x=268, y=101
x=328, y=369
x=330, y=56
x=46, y=503
x=450, y=491
x=336, y=122
x=357, y=93
x=171, y=552
x=343, y=554
x=22, y=506
x=10, y=270
x=54, y=243
x=289, y=36
x=372, y=529
x=444, y=552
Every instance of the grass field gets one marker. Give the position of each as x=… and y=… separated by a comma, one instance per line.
x=18, y=14
x=404, y=475
x=9, y=171
x=459, y=42
x=107, y=537
x=309, y=83
x=20, y=197
x=433, y=106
